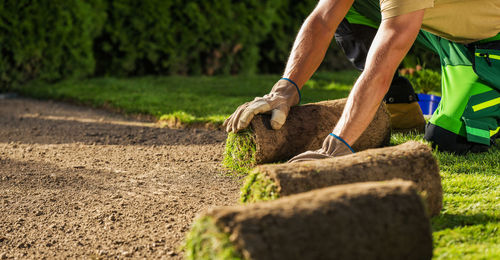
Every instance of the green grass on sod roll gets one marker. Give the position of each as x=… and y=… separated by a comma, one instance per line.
x=207, y=241
x=239, y=154
x=258, y=187
x=469, y=224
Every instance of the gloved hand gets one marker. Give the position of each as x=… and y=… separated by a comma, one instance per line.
x=283, y=95
x=333, y=146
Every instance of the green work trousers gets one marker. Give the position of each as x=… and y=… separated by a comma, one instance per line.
x=469, y=112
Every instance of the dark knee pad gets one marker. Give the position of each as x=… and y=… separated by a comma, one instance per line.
x=400, y=91
x=448, y=141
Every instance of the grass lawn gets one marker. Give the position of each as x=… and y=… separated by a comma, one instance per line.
x=469, y=225
x=187, y=99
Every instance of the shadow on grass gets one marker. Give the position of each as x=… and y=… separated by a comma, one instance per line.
x=450, y=221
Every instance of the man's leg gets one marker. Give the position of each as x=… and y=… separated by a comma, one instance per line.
x=469, y=109
x=355, y=35
x=469, y=112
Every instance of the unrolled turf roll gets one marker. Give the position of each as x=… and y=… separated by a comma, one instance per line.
x=305, y=129
x=372, y=220
x=411, y=161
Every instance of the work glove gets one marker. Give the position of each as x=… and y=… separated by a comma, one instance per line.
x=333, y=146
x=283, y=95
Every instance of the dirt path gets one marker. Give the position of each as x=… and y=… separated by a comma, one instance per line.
x=83, y=183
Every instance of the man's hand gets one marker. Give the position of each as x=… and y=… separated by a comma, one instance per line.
x=307, y=53
x=333, y=146
x=393, y=40
x=282, y=96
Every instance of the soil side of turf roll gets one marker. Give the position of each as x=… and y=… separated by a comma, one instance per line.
x=411, y=161
x=307, y=126
x=377, y=220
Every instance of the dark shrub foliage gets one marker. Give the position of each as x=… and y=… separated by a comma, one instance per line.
x=47, y=39
x=54, y=39
x=183, y=37
x=276, y=46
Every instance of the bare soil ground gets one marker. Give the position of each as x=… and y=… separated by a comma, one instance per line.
x=77, y=182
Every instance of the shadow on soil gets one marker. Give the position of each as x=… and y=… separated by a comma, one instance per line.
x=50, y=131
x=39, y=176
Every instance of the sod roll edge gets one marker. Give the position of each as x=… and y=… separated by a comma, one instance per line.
x=412, y=161
x=305, y=129
x=373, y=220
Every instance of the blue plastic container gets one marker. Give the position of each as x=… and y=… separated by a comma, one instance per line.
x=428, y=103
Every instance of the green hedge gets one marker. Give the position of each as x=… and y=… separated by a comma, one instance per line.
x=55, y=39
x=47, y=39
x=183, y=37
x=276, y=46
x=202, y=37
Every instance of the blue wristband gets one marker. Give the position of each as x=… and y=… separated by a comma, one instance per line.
x=297, y=87
x=342, y=140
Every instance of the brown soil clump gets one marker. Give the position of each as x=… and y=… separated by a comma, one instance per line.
x=83, y=183
x=411, y=161
x=384, y=220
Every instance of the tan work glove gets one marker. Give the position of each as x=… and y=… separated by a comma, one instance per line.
x=333, y=146
x=283, y=95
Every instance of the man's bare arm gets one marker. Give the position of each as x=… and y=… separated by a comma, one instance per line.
x=393, y=40
x=314, y=38
x=307, y=54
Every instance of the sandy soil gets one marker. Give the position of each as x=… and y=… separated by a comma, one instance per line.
x=77, y=182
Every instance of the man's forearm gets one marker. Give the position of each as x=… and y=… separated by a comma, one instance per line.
x=393, y=40
x=314, y=38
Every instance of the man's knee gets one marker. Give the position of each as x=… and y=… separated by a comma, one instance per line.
x=448, y=141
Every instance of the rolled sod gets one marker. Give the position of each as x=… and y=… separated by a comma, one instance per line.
x=305, y=129
x=372, y=220
x=412, y=161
